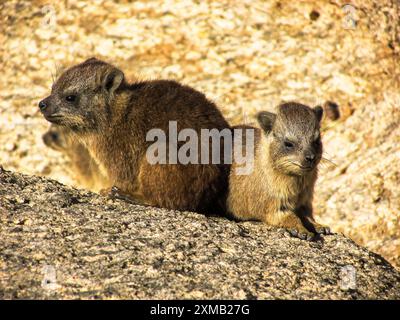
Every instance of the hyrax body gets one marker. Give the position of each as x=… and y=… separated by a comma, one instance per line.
x=279, y=190
x=112, y=117
x=82, y=166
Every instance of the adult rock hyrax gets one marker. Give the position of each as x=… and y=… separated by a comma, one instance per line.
x=112, y=117
x=81, y=165
x=279, y=191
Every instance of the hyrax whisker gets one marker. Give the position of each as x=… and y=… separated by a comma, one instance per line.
x=323, y=159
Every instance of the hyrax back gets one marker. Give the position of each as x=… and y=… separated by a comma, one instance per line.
x=279, y=191
x=112, y=118
x=81, y=165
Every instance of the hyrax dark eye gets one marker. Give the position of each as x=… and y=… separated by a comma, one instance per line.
x=54, y=136
x=288, y=144
x=70, y=98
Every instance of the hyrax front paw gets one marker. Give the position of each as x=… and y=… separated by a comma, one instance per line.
x=293, y=224
x=109, y=192
x=321, y=229
x=116, y=193
x=301, y=233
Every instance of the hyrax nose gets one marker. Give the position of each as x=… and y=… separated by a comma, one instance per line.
x=42, y=105
x=310, y=157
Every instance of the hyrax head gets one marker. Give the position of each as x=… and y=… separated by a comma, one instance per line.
x=81, y=97
x=295, y=147
x=56, y=138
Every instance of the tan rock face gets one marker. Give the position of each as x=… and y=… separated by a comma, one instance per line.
x=361, y=195
x=80, y=245
x=248, y=57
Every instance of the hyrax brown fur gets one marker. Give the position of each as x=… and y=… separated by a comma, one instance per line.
x=111, y=117
x=81, y=165
x=279, y=191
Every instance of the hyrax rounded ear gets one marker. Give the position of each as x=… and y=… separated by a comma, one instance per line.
x=92, y=59
x=266, y=120
x=319, y=112
x=112, y=79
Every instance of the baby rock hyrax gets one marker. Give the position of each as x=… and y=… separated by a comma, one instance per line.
x=279, y=191
x=81, y=165
x=112, y=117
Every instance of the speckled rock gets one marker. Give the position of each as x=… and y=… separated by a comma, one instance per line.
x=60, y=242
